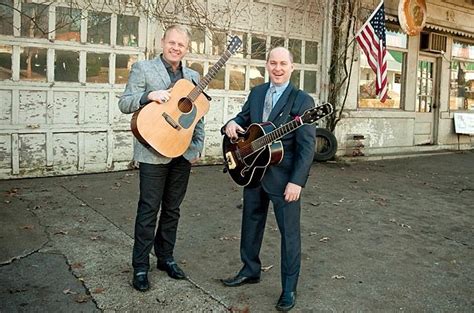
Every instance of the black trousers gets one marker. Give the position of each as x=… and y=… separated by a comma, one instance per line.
x=254, y=218
x=160, y=185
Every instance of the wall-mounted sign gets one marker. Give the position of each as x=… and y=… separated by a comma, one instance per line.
x=464, y=123
x=412, y=16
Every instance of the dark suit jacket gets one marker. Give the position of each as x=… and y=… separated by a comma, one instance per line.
x=298, y=145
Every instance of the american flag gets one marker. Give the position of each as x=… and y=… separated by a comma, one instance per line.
x=371, y=38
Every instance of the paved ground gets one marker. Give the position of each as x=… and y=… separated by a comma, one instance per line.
x=394, y=235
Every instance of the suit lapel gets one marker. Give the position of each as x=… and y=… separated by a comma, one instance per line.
x=162, y=72
x=278, y=107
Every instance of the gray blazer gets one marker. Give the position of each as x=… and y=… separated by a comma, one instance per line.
x=151, y=75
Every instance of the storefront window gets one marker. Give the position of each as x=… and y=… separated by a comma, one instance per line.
x=6, y=17
x=98, y=28
x=218, y=42
x=33, y=64
x=127, y=30
x=197, y=66
x=218, y=82
x=461, y=96
x=310, y=81
x=34, y=20
x=311, y=52
x=395, y=76
x=295, y=78
x=277, y=42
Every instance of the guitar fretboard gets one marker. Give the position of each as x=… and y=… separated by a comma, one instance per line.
x=209, y=76
x=276, y=134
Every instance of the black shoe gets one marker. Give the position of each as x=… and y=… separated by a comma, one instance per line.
x=287, y=301
x=240, y=280
x=173, y=270
x=140, y=281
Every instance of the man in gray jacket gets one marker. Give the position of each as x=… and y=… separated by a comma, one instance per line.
x=163, y=181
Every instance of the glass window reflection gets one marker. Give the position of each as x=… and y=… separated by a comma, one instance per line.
x=98, y=28
x=33, y=64
x=5, y=62
x=66, y=66
x=311, y=52
x=256, y=75
x=68, y=24
x=123, y=64
x=310, y=81
x=258, y=47
x=294, y=45
x=34, y=20
x=237, y=77
x=127, y=30
x=197, y=40
x=6, y=17
x=97, y=69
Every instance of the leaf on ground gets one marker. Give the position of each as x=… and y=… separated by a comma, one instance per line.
x=61, y=232
x=324, y=239
x=12, y=192
x=338, y=277
x=77, y=265
x=98, y=237
x=229, y=238
x=98, y=290
x=69, y=292
x=267, y=268
x=234, y=309
x=27, y=227
x=313, y=233
x=81, y=298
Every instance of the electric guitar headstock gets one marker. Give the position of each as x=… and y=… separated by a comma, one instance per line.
x=310, y=116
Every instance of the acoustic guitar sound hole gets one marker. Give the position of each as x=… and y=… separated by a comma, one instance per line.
x=185, y=105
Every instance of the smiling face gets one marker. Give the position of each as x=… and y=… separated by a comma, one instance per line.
x=279, y=66
x=175, y=46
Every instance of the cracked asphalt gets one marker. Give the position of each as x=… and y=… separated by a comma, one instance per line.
x=387, y=235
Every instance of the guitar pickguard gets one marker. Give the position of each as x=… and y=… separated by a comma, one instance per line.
x=187, y=119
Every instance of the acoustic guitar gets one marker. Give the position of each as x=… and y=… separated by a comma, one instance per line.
x=247, y=157
x=168, y=127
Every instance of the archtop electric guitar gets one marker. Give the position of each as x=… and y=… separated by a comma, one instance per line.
x=247, y=157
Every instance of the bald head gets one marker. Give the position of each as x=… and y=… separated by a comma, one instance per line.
x=279, y=65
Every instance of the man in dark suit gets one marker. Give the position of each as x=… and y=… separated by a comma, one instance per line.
x=163, y=181
x=282, y=183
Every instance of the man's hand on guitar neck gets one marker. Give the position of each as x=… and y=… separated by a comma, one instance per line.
x=160, y=96
x=232, y=128
x=292, y=192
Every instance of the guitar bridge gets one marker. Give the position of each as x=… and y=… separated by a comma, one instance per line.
x=170, y=121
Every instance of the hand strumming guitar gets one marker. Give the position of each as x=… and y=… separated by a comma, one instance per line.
x=232, y=128
x=160, y=96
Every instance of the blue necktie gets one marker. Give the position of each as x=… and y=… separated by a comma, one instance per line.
x=268, y=104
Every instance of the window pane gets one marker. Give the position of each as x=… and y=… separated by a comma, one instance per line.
x=311, y=52
x=294, y=45
x=97, y=69
x=395, y=76
x=218, y=42
x=197, y=40
x=66, y=66
x=461, y=95
x=256, y=75
x=295, y=78
x=395, y=37
x=123, y=64
x=425, y=82
x=98, y=28
x=127, y=30
x=6, y=17
x=34, y=20
x=68, y=24
x=463, y=50
x=258, y=49
x=33, y=64
x=218, y=81
x=310, y=81
x=197, y=66
x=277, y=42
x=5, y=62
x=237, y=77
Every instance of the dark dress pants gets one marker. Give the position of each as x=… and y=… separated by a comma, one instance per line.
x=287, y=214
x=165, y=185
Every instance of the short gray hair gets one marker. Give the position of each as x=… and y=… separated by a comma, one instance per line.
x=180, y=28
x=280, y=47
